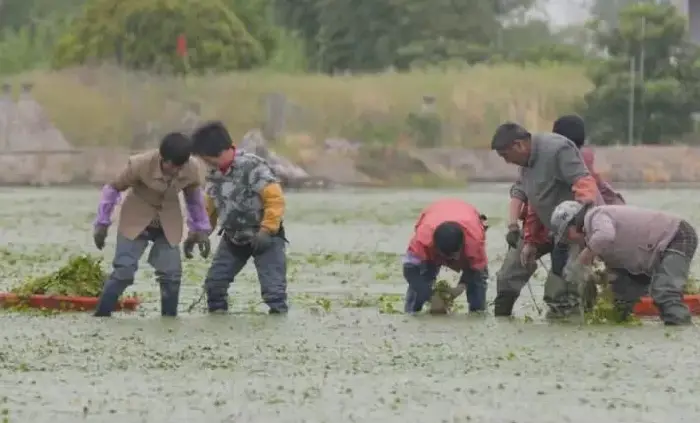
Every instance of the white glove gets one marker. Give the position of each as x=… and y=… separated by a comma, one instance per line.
x=578, y=274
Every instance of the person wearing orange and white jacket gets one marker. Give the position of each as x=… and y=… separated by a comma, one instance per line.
x=451, y=233
x=552, y=170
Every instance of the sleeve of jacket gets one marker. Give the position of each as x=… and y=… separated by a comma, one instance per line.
x=533, y=227
x=574, y=172
x=263, y=180
x=476, y=251
x=602, y=233
x=273, y=206
x=517, y=191
x=198, y=219
x=523, y=212
x=212, y=213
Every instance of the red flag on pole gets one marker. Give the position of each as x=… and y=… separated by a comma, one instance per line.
x=181, y=45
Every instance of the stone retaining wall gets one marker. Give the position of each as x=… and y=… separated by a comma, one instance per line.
x=629, y=165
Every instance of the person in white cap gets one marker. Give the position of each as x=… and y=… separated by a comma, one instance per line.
x=648, y=250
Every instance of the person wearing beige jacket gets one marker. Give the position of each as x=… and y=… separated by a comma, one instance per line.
x=648, y=250
x=151, y=214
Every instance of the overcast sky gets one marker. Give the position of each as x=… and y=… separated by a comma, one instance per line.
x=566, y=12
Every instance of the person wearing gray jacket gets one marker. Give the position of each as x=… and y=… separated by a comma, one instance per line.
x=648, y=250
x=552, y=170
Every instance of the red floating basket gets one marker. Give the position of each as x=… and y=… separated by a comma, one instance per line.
x=63, y=303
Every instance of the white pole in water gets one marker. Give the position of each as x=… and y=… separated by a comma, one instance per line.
x=642, y=49
x=630, y=116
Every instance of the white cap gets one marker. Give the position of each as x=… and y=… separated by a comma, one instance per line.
x=562, y=217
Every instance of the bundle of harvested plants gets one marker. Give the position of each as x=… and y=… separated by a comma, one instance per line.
x=82, y=276
x=443, y=298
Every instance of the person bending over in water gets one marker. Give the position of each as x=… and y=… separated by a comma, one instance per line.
x=450, y=233
x=151, y=214
x=648, y=250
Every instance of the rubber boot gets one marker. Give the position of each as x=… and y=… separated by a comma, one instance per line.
x=169, y=298
x=278, y=307
x=624, y=310
x=217, y=301
x=503, y=304
x=675, y=315
x=476, y=296
x=673, y=272
x=561, y=312
x=111, y=291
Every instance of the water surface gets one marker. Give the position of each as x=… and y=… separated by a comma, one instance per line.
x=341, y=355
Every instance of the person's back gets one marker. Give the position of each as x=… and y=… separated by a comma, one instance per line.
x=573, y=128
x=629, y=237
x=454, y=210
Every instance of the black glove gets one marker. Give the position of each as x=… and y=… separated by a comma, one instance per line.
x=201, y=240
x=513, y=236
x=99, y=235
x=261, y=241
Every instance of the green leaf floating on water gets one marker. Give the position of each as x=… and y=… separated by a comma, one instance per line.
x=82, y=276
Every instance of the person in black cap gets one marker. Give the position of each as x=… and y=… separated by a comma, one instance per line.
x=571, y=127
x=448, y=233
x=551, y=171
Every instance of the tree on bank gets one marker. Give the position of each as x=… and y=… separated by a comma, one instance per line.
x=664, y=86
x=286, y=35
x=374, y=35
x=143, y=34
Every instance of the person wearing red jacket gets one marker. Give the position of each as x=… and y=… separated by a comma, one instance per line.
x=452, y=233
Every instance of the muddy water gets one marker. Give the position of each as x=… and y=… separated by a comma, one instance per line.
x=343, y=354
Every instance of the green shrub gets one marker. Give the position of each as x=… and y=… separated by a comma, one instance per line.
x=142, y=35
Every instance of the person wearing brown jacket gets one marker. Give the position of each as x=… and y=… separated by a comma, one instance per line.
x=151, y=214
x=648, y=250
